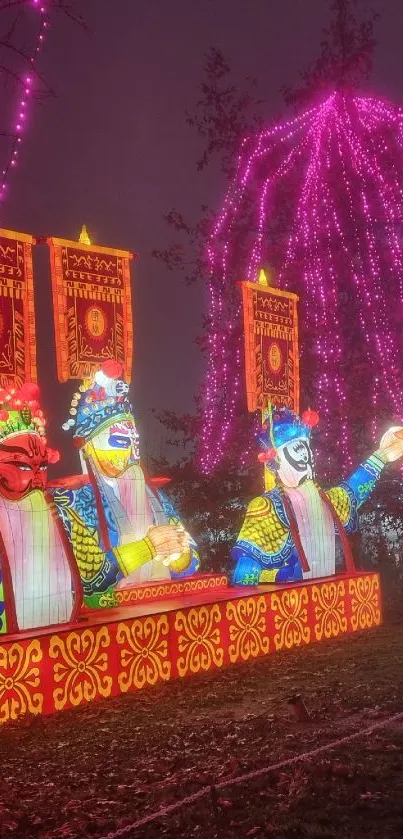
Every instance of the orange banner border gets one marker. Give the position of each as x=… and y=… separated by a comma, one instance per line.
x=30, y=363
x=59, y=298
x=248, y=320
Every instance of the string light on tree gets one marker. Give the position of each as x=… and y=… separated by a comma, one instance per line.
x=27, y=85
x=319, y=197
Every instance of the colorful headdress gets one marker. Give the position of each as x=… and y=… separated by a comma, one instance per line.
x=98, y=402
x=20, y=411
x=281, y=427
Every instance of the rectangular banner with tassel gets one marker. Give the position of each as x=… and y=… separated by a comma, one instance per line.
x=271, y=345
x=92, y=307
x=17, y=311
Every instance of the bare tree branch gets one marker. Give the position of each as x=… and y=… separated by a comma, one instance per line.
x=27, y=60
x=18, y=59
x=56, y=5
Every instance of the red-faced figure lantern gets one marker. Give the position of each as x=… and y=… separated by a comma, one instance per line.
x=39, y=585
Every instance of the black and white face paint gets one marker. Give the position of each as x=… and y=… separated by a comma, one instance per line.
x=296, y=463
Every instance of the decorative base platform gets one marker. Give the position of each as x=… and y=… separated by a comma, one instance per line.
x=125, y=649
x=127, y=595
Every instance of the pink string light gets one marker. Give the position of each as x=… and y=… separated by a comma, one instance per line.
x=337, y=169
x=28, y=86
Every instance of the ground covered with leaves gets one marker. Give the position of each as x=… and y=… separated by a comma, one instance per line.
x=94, y=771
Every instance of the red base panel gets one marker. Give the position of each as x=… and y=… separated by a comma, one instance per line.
x=128, y=648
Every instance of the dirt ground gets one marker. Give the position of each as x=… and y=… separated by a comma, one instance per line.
x=90, y=772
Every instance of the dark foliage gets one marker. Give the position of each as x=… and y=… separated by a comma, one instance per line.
x=346, y=55
x=212, y=506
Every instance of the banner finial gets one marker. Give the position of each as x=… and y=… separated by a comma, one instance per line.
x=262, y=278
x=84, y=237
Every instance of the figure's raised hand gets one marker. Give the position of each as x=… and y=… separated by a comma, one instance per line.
x=391, y=445
x=168, y=540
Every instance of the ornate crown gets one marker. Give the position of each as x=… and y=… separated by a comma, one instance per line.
x=98, y=401
x=20, y=411
x=283, y=426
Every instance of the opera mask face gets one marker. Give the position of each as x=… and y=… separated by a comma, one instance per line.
x=115, y=447
x=295, y=462
x=23, y=465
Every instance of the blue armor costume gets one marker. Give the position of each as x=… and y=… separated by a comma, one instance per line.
x=296, y=529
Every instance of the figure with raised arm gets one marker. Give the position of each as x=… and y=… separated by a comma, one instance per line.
x=296, y=530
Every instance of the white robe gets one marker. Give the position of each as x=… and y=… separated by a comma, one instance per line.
x=135, y=509
x=40, y=571
x=316, y=530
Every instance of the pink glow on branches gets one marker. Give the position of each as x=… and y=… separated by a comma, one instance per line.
x=25, y=93
x=320, y=198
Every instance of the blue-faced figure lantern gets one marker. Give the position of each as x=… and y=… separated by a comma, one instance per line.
x=296, y=530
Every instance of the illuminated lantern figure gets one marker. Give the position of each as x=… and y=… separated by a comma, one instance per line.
x=295, y=530
x=39, y=583
x=135, y=532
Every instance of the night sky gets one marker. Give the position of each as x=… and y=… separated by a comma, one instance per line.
x=112, y=150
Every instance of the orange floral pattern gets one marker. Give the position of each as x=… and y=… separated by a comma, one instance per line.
x=199, y=640
x=291, y=620
x=19, y=678
x=67, y=668
x=329, y=609
x=144, y=657
x=81, y=667
x=247, y=628
x=365, y=602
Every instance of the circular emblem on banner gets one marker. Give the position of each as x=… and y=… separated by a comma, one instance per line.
x=275, y=359
x=95, y=322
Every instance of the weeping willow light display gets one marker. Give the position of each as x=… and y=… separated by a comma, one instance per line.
x=319, y=197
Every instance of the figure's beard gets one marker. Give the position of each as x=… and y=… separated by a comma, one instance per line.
x=291, y=477
x=111, y=463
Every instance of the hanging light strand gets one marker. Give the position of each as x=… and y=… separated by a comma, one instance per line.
x=27, y=86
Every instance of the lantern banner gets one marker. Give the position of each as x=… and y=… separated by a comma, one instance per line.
x=271, y=346
x=92, y=307
x=17, y=313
